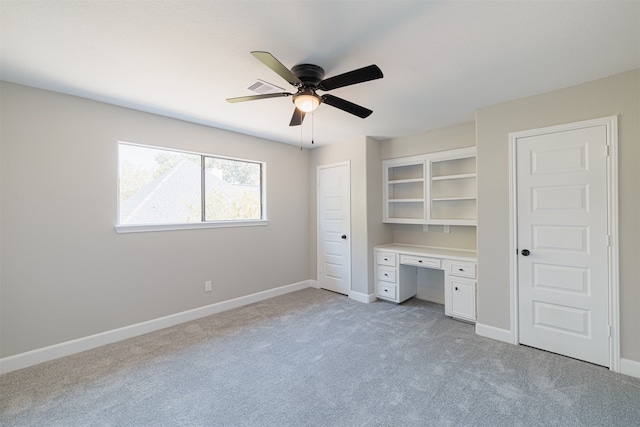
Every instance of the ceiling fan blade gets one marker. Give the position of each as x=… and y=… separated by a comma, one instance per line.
x=347, y=106
x=256, y=97
x=298, y=117
x=270, y=61
x=360, y=75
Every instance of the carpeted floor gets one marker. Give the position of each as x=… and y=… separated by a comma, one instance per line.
x=315, y=358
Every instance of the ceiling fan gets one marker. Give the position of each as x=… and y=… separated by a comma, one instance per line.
x=309, y=78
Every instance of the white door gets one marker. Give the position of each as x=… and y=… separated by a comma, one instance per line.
x=334, y=227
x=563, y=266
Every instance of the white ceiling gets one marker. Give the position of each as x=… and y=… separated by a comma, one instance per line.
x=441, y=59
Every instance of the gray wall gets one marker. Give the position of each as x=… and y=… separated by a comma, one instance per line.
x=463, y=135
x=616, y=95
x=66, y=273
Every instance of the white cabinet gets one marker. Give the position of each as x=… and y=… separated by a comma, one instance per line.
x=397, y=279
x=436, y=188
x=387, y=276
x=392, y=282
x=460, y=290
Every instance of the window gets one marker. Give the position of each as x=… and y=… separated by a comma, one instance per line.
x=168, y=189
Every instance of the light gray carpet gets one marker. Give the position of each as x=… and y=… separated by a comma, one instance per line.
x=314, y=358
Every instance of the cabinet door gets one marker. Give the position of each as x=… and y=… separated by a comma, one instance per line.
x=462, y=295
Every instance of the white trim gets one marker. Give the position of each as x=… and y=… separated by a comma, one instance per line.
x=614, y=267
x=45, y=354
x=191, y=226
x=360, y=297
x=346, y=163
x=513, y=241
x=494, y=333
x=630, y=367
x=611, y=124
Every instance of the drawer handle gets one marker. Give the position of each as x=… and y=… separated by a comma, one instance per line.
x=420, y=261
x=386, y=259
x=386, y=274
x=386, y=290
x=461, y=269
x=456, y=288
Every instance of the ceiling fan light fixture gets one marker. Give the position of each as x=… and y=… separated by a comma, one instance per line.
x=307, y=79
x=306, y=101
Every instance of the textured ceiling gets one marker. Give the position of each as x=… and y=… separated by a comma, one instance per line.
x=441, y=60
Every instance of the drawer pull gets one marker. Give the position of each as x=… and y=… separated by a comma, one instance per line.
x=386, y=274
x=386, y=259
x=461, y=269
x=420, y=261
x=456, y=288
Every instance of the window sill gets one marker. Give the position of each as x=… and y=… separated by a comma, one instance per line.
x=194, y=226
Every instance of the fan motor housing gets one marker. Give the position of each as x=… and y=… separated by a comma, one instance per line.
x=309, y=74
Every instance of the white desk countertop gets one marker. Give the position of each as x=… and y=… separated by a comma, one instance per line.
x=437, y=252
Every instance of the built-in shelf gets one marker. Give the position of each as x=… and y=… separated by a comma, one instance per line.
x=444, y=199
x=406, y=181
x=458, y=176
x=436, y=188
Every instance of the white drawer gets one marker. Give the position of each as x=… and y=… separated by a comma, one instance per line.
x=420, y=261
x=462, y=269
x=387, y=291
x=386, y=258
x=387, y=274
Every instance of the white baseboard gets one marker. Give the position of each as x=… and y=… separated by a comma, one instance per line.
x=360, y=297
x=630, y=367
x=45, y=354
x=492, y=332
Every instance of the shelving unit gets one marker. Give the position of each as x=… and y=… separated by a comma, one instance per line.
x=404, y=190
x=437, y=188
x=452, y=178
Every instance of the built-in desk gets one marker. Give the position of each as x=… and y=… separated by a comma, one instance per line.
x=396, y=275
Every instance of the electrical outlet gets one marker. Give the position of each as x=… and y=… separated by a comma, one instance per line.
x=207, y=286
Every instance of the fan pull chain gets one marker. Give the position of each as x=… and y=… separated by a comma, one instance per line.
x=300, y=137
x=312, y=127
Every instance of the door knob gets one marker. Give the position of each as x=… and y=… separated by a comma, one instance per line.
x=344, y=237
x=525, y=252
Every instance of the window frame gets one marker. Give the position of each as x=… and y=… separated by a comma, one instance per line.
x=138, y=228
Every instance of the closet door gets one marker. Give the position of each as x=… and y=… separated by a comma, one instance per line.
x=563, y=247
x=334, y=227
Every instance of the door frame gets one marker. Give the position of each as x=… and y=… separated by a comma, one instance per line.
x=346, y=163
x=611, y=124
